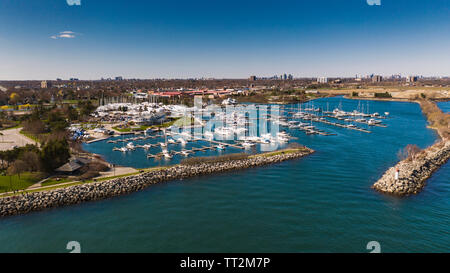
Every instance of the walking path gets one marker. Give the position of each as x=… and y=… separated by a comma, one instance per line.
x=119, y=171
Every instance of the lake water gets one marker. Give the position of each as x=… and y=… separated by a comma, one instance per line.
x=320, y=203
x=445, y=106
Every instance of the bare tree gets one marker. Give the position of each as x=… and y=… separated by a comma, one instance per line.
x=410, y=152
x=32, y=161
x=18, y=167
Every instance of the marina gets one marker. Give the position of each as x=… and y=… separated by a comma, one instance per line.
x=244, y=128
x=221, y=127
x=296, y=189
x=290, y=196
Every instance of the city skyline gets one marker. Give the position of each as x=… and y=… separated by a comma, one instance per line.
x=89, y=40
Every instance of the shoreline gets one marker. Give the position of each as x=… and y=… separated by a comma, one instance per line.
x=379, y=99
x=71, y=195
x=419, y=168
x=414, y=172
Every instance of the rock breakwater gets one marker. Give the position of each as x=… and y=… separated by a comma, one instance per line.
x=413, y=173
x=36, y=201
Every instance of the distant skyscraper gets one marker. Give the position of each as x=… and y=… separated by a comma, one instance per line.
x=252, y=78
x=322, y=80
x=120, y=78
x=377, y=78
x=46, y=84
x=412, y=79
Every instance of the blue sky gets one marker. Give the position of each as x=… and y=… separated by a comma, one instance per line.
x=46, y=39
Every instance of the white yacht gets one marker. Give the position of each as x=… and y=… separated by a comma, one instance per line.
x=146, y=146
x=247, y=144
x=166, y=154
x=229, y=101
x=220, y=147
x=182, y=141
x=373, y=121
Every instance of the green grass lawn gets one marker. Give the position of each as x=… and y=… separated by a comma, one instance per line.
x=71, y=101
x=30, y=136
x=122, y=130
x=145, y=127
x=13, y=182
x=279, y=152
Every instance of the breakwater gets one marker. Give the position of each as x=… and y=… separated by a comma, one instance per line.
x=36, y=201
x=413, y=173
x=415, y=170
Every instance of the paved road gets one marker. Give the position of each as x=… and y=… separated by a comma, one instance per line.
x=13, y=137
x=111, y=173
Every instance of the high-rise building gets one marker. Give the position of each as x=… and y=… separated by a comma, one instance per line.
x=412, y=79
x=46, y=84
x=120, y=78
x=252, y=78
x=322, y=80
x=377, y=78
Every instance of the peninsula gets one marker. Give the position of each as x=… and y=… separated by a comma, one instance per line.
x=410, y=174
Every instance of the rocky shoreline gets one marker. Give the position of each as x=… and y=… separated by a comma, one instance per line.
x=36, y=201
x=414, y=173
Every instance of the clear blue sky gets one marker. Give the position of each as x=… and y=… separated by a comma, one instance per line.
x=46, y=39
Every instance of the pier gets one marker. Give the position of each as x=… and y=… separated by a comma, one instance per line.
x=317, y=119
x=409, y=176
x=356, y=121
x=36, y=201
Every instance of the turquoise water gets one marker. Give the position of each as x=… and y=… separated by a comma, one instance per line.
x=320, y=203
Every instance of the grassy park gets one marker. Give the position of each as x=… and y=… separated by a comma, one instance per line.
x=16, y=182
